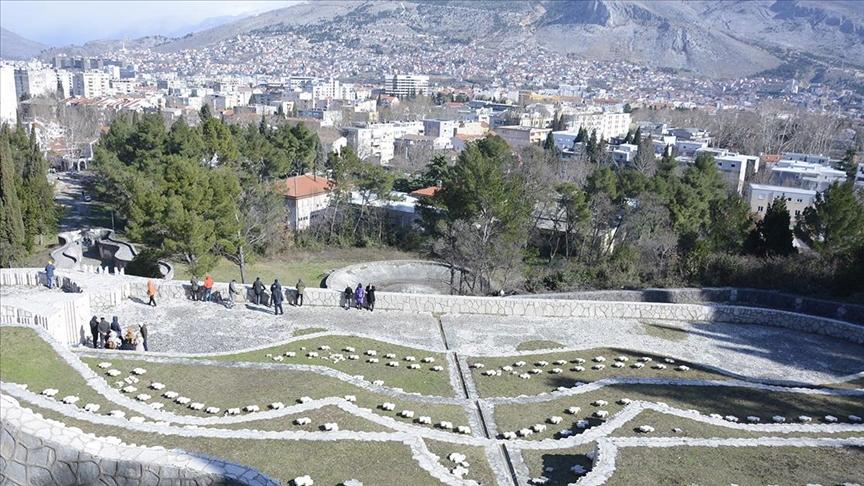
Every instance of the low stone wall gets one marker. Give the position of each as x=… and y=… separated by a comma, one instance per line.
x=406, y=276
x=721, y=295
x=35, y=451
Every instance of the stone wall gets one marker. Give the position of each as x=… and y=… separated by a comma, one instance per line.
x=35, y=451
x=721, y=295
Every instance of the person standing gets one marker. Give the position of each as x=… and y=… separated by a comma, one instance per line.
x=301, y=288
x=348, y=294
x=94, y=331
x=370, y=298
x=277, y=297
x=115, y=326
x=193, y=287
x=359, y=296
x=258, y=289
x=104, y=330
x=232, y=290
x=143, y=329
x=151, y=292
x=49, y=273
x=208, y=287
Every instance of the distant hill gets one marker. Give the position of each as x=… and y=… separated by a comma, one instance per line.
x=13, y=46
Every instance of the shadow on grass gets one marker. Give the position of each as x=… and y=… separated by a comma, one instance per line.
x=564, y=468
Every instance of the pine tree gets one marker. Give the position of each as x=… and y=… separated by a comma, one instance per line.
x=773, y=235
x=549, y=144
x=834, y=225
x=12, y=236
x=37, y=195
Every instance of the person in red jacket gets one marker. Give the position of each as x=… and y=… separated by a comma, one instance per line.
x=208, y=287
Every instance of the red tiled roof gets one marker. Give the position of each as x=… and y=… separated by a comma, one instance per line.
x=425, y=192
x=770, y=158
x=299, y=187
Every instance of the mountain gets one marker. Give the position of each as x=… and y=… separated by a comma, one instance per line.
x=13, y=46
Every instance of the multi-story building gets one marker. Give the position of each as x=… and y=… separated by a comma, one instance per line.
x=31, y=82
x=8, y=98
x=406, y=85
x=306, y=199
x=810, y=175
x=735, y=168
x=797, y=199
x=91, y=84
x=376, y=141
x=606, y=124
x=811, y=158
x=519, y=136
x=440, y=128
x=624, y=153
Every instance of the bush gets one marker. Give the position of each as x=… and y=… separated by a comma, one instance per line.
x=145, y=264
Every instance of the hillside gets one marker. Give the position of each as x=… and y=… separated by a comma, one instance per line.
x=13, y=46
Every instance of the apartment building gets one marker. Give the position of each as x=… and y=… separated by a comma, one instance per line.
x=8, y=99
x=607, y=124
x=519, y=136
x=797, y=199
x=376, y=141
x=32, y=82
x=406, y=85
x=91, y=84
x=306, y=199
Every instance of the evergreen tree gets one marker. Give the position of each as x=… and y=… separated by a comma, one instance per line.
x=12, y=235
x=834, y=225
x=773, y=235
x=849, y=164
x=549, y=144
x=629, y=137
x=37, y=195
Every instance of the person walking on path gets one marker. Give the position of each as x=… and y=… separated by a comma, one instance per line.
x=348, y=294
x=115, y=326
x=359, y=296
x=94, y=331
x=151, y=292
x=277, y=297
x=301, y=288
x=208, y=287
x=104, y=330
x=258, y=289
x=193, y=288
x=370, y=298
x=143, y=329
x=49, y=273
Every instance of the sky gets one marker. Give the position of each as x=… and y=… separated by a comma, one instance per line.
x=60, y=23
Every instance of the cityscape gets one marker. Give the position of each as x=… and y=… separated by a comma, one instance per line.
x=512, y=242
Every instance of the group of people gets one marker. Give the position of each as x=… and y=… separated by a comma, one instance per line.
x=111, y=336
x=278, y=294
x=361, y=298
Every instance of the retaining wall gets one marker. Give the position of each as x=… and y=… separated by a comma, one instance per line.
x=35, y=451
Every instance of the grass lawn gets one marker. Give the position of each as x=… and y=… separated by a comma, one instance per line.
x=318, y=417
x=27, y=359
x=510, y=385
x=538, y=344
x=423, y=380
x=237, y=387
x=556, y=464
x=40, y=254
x=308, y=330
x=665, y=331
x=478, y=469
x=664, y=423
x=736, y=401
x=329, y=463
x=310, y=265
x=738, y=465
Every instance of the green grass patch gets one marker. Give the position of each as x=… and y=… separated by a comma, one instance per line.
x=25, y=358
x=423, y=380
x=556, y=464
x=328, y=462
x=310, y=265
x=224, y=387
x=738, y=465
x=478, y=469
x=538, y=344
x=318, y=417
x=510, y=385
x=665, y=331
x=307, y=330
x=737, y=401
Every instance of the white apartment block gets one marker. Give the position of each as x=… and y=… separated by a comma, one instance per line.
x=810, y=175
x=32, y=82
x=406, y=85
x=377, y=140
x=797, y=199
x=91, y=84
x=624, y=153
x=811, y=158
x=607, y=125
x=734, y=167
x=8, y=98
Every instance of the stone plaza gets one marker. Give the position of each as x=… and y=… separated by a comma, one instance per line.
x=427, y=389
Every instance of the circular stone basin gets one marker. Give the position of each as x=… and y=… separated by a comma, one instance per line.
x=406, y=276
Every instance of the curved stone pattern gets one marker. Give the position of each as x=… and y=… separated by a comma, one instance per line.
x=35, y=451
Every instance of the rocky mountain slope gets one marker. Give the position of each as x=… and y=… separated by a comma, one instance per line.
x=13, y=46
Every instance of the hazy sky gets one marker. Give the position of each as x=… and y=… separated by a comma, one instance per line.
x=58, y=23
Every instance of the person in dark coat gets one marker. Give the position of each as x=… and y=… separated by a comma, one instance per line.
x=104, y=329
x=193, y=288
x=370, y=298
x=258, y=289
x=277, y=296
x=348, y=294
x=301, y=288
x=115, y=326
x=359, y=296
x=94, y=331
x=143, y=329
x=49, y=273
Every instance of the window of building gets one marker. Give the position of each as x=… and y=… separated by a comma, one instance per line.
x=761, y=208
